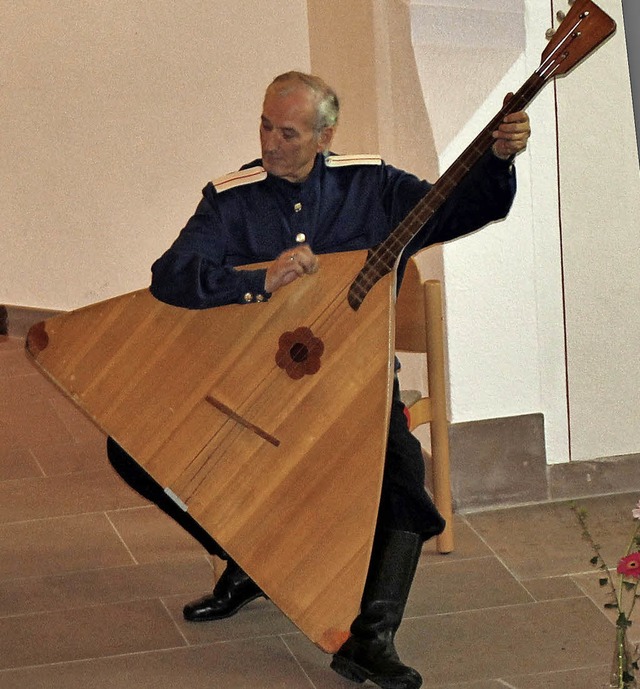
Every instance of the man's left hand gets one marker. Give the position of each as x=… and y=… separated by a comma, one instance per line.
x=512, y=135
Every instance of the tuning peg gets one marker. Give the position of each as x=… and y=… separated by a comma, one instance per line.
x=571, y=2
x=560, y=15
x=549, y=34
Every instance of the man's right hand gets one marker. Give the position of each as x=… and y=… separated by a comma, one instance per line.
x=289, y=266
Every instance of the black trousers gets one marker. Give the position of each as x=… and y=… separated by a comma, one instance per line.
x=404, y=503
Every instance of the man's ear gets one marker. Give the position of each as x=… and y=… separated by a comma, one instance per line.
x=325, y=138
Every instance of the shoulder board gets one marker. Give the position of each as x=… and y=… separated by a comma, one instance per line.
x=240, y=178
x=345, y=160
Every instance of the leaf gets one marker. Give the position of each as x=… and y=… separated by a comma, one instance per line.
x=603, y=581
x=622, y=621
x=610, y=605
x=594, y=560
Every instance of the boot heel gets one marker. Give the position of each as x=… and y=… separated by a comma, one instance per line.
x=348, y=670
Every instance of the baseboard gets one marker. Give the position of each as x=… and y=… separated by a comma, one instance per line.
x=501, y=462
x=602, y=476
x=15, y=321
x=498, y=461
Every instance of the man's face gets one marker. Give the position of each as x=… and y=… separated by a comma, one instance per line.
x=287, y=136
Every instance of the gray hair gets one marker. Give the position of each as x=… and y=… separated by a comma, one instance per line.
x=327, y=104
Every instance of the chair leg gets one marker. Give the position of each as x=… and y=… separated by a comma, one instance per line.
x=440, y=476
x=440, y=465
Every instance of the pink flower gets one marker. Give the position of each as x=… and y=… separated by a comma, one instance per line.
x=629, y=566
x=636, y=512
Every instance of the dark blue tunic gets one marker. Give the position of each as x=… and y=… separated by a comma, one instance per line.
x=337, y=208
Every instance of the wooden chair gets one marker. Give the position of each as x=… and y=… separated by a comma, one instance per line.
x=419, y=328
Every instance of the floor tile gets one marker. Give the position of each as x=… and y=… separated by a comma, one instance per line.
x=90, y=587
x=85, y=454
x=582, y=678
x=465, y=585
x=150, y=535
x=511, y=640
x=78, y=424
x=255, y=664
x=316, y=664
x=18, y=462
x=54, y=496
x=65, y=544
x=467, y=543
x=482, y=684
x=545, y=540
x=101, y=631
x=551, y=588
x=13, y=360
x=602, y=595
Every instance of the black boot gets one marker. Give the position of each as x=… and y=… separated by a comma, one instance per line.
x=369, y=653
x=233, y=590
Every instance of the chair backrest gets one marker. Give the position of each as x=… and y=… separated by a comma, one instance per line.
x=411, y=325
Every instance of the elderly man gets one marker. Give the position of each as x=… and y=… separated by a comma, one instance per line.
x=296, y=202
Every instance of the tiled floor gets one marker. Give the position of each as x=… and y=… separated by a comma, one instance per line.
x=92, y=582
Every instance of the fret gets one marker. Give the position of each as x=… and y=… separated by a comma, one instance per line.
x=581, y=31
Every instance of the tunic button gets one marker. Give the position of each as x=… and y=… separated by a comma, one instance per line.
x=301, y=237
x=298, y=207
x=248, y=297
x=259, y=297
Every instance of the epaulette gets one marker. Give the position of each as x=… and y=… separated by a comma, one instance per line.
x=240, y=178
x=357, y=159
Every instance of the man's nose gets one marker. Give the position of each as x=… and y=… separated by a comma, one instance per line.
x=271, y=140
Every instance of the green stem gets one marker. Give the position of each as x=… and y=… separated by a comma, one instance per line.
x=580, y=516
x=620, y=657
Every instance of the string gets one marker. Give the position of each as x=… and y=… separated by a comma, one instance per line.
x=382, y=259
x=204, y=462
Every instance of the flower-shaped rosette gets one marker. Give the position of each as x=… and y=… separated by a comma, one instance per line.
x=299, y=353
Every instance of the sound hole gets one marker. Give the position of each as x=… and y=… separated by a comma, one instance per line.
x=299, y=352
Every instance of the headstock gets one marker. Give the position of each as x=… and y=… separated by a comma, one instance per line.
x=581, y=30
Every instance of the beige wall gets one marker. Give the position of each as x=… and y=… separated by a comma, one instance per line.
x=114, y=115
x=364, y=49
x=343, y=53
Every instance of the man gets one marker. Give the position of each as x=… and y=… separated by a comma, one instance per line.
x=293, y=204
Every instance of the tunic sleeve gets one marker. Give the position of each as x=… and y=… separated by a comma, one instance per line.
x=194, y=272
x=485, y=194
